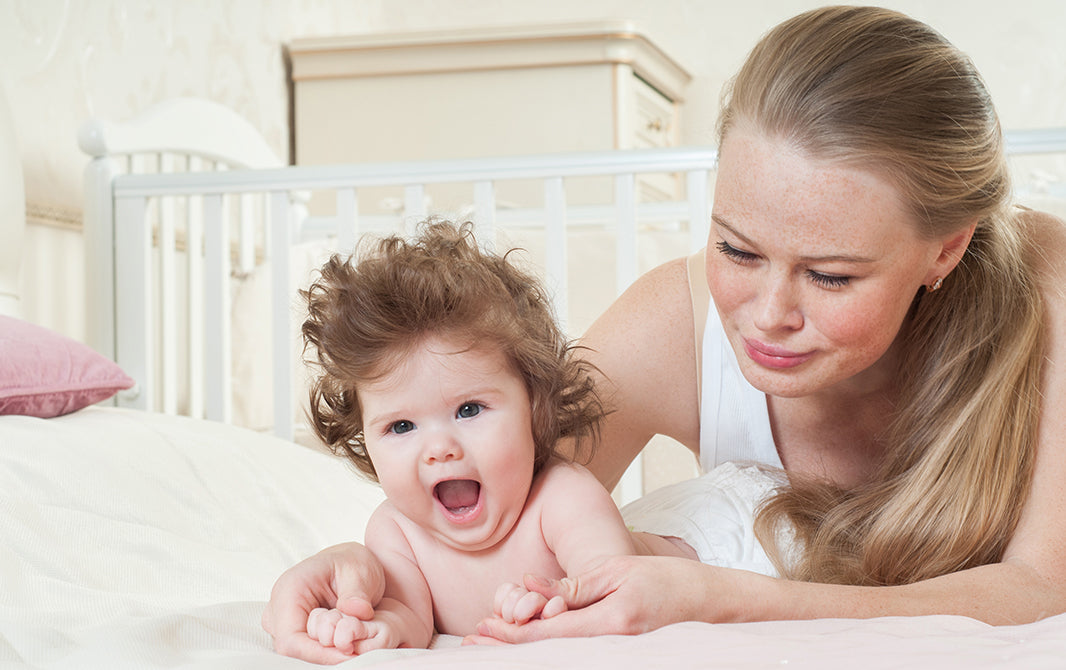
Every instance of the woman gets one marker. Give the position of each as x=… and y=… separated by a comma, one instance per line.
x=903, y=323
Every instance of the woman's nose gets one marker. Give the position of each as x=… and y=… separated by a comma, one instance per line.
x=776, y=306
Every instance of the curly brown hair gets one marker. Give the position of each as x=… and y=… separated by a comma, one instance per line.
x=370, y=309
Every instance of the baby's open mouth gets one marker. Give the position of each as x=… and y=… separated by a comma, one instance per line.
x=458, y=496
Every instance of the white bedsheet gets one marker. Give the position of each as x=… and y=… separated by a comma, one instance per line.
x=137, y=540
x=130, y=539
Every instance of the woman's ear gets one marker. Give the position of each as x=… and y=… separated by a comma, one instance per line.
x=953, y=246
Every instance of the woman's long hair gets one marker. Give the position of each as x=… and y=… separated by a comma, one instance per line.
x=877, y=90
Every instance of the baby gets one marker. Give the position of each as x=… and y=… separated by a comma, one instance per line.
x=443, y=375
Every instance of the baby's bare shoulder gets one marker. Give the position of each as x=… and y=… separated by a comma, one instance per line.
x=564, y=490
x=567, y=474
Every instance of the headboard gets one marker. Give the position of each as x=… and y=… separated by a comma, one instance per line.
x=181, y=135
x=12, y=212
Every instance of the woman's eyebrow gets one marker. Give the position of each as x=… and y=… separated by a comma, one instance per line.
x=827, y=258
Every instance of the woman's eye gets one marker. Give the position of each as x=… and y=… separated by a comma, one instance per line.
x=828, y=281
x=402, y=426
x=468, y=410
x=731, y=252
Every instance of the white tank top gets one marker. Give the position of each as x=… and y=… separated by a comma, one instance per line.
x=734, y=419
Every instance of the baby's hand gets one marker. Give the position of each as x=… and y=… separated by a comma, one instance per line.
x=350, y=635
x=516, y=604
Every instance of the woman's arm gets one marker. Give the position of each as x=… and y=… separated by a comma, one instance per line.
x=636, y=594
x=644, y=347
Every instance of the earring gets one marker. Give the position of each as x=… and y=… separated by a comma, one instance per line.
x=936, y=284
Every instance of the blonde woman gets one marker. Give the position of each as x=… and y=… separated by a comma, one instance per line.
x=897, y=329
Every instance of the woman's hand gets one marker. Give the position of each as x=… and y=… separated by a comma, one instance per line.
x=346, y=577
x=628, y=595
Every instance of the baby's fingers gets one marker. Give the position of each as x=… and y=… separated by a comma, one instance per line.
x=377, y=635
x=348, y=633
x=321, y=624
x=507, y=596
x=529, y=606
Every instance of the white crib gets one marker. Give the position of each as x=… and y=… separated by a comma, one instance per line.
x=170, y=322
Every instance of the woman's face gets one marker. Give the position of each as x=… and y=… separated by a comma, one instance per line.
x=812, y=266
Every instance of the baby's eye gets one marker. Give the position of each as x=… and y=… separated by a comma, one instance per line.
x=468, y=410
x=402, y=426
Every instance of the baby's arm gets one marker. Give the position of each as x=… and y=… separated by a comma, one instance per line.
x=404, y=615
x=581, y=525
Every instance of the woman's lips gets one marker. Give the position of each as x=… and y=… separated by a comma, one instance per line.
x=774, y=357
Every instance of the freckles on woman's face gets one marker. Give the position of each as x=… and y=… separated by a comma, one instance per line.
x=812, y=265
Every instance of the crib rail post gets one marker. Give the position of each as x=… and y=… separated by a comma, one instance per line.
x=99, y=231
x=625, y=197
x=555, y=243
x=218, y=389
x=485, y=214
x=134, y=349
x=281, y=236
x=347, y=219
x=699, y=207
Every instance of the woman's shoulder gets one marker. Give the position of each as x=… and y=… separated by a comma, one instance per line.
x=661, y=289
x=1042, y=227
x=643, y=347
x=1046, y=236
x=644, y=343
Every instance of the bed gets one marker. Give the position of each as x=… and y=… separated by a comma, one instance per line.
x=154, y=484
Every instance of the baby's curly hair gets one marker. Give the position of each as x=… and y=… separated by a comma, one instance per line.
x=367, y=311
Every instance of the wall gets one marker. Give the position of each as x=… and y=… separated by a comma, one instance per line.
x=65, y=61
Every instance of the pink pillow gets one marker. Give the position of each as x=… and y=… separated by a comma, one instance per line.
x=45, y=374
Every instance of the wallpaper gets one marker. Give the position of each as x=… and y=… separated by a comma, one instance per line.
x=67, y=60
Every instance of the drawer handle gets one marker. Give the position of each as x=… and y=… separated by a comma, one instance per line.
x=655, y=125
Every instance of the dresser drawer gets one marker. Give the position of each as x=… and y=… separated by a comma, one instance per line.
x=655, y=123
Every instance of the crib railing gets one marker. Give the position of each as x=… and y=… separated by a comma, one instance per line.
x=216, y=208
x=214, y=195
x=177, y=135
